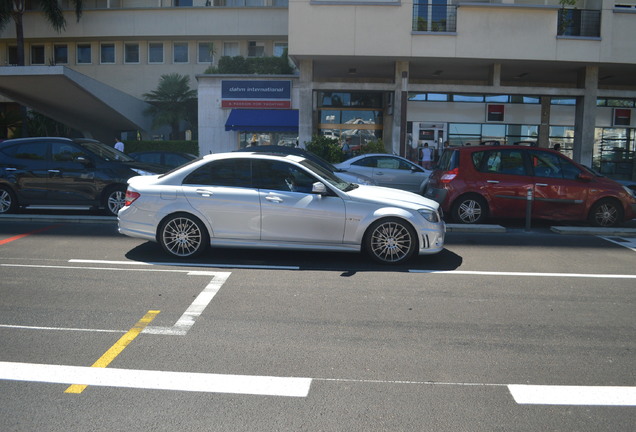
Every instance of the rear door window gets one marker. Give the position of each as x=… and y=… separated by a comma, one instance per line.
x=231, y=172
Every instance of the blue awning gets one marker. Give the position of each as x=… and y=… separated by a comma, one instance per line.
x=262, y=120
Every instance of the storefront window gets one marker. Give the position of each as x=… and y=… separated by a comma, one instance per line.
x=248, y=139
x=460, y=134
x=615, y=152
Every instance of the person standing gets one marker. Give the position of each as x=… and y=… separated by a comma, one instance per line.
x=427, y=157
x=119, y=145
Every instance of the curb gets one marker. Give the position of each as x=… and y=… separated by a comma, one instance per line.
x=618, y=231
x=59, y=218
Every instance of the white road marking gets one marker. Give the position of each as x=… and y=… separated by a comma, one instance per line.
x=629, y=243
x=195, y=309
x=186, y=264
x=156, y=380
x=61, y=328
x=527, y=274
x=573, y=395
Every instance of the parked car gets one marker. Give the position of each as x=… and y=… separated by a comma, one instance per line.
x=165, y=158
x=62, y=172
x=255, y=200
x=286, y=150
x=475, y=183
x=388, y=170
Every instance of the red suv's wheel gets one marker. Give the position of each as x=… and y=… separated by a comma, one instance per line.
x=470, y=209
x=606, y=213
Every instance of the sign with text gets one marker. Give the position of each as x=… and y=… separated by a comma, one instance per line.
x=255, y=94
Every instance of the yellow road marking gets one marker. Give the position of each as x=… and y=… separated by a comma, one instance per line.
x=116, y=349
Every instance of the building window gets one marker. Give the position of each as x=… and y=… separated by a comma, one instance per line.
x=180, y=52
x=231, y=49
x=155, y=52
x=256, y=49
x=182, y=3
x=60, y=54
x=279, y=48
x=37, y=54
x=107, y=53
x=12, y=55
x=205, y=52
x=83, y=53
x=131, y=53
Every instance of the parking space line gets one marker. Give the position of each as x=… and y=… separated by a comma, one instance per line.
x=629, y=243
x=116, y=349
x=157, y=380
x=18, y=237
x=527, y=274
x=573, y=395
x=196, y=308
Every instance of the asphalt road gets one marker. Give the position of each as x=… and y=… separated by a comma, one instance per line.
x=514, y=331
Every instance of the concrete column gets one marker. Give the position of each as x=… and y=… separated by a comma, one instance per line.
x=544, y=126
x=495, y=75
x=305, y=102
x=398, y=135
x=585, y=116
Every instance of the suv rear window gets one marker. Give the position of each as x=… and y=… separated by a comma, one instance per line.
x=449, y=160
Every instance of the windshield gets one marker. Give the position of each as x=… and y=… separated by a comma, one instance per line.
x=105, y=152
x=327, y=175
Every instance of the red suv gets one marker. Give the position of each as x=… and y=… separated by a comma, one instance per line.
x=475, y=183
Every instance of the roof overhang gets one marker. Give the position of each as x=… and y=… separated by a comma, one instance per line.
x=81, y=102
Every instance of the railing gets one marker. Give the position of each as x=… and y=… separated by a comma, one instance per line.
x=163, y=4
x=433, y=17
x=579, y=22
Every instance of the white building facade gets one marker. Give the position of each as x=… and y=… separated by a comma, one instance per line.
x=402, y=72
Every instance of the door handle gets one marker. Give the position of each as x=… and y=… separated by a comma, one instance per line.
x=205, y=192
x=492, y=181
x=541, y=184
x=274, y=199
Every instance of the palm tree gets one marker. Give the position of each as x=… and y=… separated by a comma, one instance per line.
x=171, y=101
x=14, y=9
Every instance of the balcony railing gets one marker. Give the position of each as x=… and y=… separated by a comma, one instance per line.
x=579, y=22
x=431, y=17
x=159, y=4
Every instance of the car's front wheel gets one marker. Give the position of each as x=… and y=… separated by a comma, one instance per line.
x=183, y=236
x=606, y=213
x=8, y=202
x=390, y=241
x=470, y=209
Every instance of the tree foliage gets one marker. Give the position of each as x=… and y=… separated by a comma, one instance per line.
x=172, y=102
x=14, y=10
x=252, y=65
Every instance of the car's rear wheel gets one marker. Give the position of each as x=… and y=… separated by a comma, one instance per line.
x=606, y=213
x=390, y=241
x=8, y=202
x=114, y=199
x=470, y=209
x=183, y=236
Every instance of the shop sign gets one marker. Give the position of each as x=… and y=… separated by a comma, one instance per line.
x=622, y=117
x=495, y=112
x=256, y=94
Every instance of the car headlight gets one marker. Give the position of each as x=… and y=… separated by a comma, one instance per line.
x=142, y=172
x=430, y=215
x=630, y=191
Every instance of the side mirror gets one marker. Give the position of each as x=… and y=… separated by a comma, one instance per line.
x=319, y=188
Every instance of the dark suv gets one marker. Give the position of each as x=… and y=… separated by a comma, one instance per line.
x=62, y=172
x=474, y=183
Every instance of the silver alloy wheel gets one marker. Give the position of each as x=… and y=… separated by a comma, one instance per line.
x=606, y=214
x=182, y=236
x=470, y=210
x=6, y=201
x=391, y=241
x=115, y=201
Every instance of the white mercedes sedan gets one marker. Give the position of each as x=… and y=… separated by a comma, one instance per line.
x=257, y=200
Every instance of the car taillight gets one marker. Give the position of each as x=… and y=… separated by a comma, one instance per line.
x=131, y=197
x=448, y=176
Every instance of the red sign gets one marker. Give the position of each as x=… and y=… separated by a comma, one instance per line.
x=622, y=117
x=494, y=113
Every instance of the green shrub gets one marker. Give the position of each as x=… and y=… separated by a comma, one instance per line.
x=252, y=65
x=372, y=147
x=325, y=147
